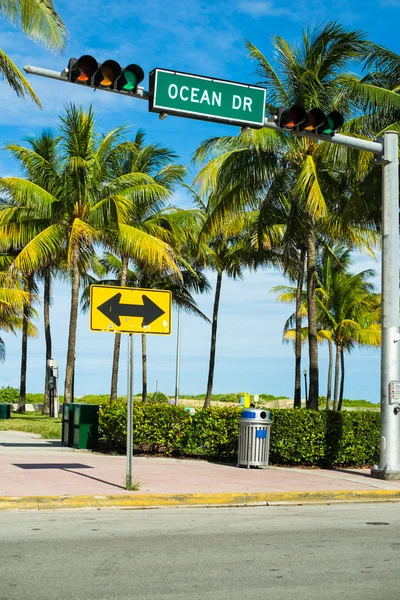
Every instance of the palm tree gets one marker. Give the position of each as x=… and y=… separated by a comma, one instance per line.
x=150, y=220
x=77, y=208
x=47, y=147
x=12, y=301
x=330, y=262
x=224, y=256
x=226, y=251
x=39, y=20
x=348, y=312
x=312, y=74
x=293, y=329
x=28, y=329
x=351, y=312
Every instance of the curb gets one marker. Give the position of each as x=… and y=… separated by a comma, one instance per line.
x=141, y=501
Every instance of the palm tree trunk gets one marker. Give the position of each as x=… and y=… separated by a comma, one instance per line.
x=336, y=389
x=24, y=350
x=117, y=339
x=47, y=333
x=329, y=387
x=144, y=368
x=207, y=401
x=341, y=379
x=298, y=341
x=73, y=322
x=312, y=317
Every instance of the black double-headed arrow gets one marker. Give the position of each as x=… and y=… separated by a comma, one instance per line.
x=113, y=310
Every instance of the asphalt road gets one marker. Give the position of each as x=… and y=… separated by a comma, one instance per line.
x=301, y=553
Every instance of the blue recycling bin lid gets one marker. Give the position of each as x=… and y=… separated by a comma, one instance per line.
x=256, y=413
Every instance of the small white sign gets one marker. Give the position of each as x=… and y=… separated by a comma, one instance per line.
x=394, y=392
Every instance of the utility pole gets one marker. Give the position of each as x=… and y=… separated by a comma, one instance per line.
x=389, y=467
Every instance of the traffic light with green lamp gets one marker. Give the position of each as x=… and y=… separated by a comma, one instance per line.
x=107, y=75
x=297, y=118
x=130, y=78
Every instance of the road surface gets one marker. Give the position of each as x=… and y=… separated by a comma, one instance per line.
x=277, y=553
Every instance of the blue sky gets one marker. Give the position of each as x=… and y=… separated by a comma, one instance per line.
x=206, y=38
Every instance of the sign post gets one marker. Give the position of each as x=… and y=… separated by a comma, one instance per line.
x=130, y=310
x=129, y=417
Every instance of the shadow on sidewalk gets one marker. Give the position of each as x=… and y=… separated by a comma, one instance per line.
x=67, y=467
x=22, y=445
x=352, y=472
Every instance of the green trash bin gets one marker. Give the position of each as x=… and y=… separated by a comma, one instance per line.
x=5, y=411
x=85, y=425
x=67, y=424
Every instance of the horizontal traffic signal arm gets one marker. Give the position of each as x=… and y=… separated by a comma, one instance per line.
x=108, y=75
x=297, y=118
x=270, y=122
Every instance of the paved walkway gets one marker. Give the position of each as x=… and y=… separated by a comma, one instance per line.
x=31, y=466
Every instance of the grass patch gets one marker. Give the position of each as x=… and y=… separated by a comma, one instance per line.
x=133, y=486
x=33, y=422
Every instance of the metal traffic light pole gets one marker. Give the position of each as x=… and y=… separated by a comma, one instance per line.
x=386, y=152
x=140, y=93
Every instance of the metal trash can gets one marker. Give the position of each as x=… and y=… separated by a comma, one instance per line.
x=254, y=435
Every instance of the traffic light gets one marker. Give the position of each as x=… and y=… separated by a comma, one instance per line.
x=297, y=118
x=82, y=70
x=130, y=78
x=292, y=118
x=108, y=75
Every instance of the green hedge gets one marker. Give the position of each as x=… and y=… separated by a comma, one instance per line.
x=298, y=436
x=156, y=427
x=9, y=395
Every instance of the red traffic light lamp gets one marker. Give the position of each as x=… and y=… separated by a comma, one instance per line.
x=291, y=118
x=82, y=70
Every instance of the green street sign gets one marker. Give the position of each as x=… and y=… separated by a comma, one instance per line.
x=197, y=97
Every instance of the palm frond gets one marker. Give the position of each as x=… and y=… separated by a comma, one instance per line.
x=39, y=21
x=16, y=80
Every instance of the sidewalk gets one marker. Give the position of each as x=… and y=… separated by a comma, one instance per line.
x=34, y=471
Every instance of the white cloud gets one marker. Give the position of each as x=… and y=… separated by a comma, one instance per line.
x=264, y=8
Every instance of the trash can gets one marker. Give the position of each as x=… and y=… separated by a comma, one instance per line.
x=5, y=411
x=66, y=424
x=85, y=425
x=254, y=435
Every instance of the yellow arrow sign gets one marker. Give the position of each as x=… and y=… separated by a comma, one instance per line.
x=130, y=310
